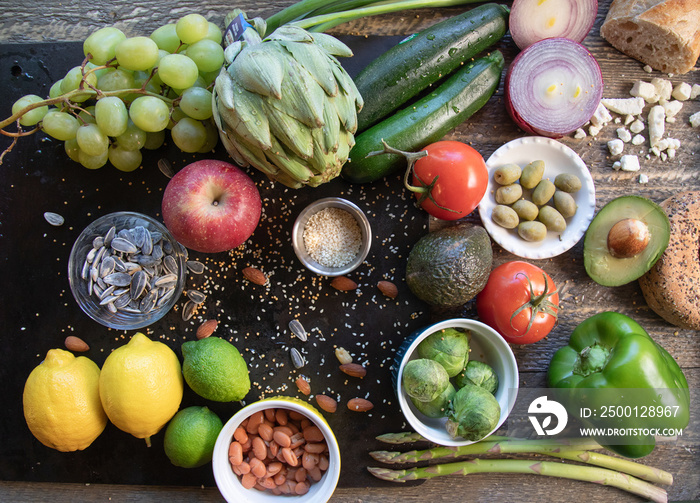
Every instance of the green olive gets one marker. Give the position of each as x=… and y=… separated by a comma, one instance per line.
x=565, y=204
x=505, y=216
x=532, y=231
x=507, y=174
x=552, y=219
x=526, y=210
x=532, y=174
x=508, y=194
x=543, y=192
x=567, y=182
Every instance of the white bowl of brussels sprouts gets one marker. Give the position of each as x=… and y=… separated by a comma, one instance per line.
x=456, y=381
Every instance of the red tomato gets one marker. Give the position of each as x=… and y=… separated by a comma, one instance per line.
x=458, y=176
x=519, y=301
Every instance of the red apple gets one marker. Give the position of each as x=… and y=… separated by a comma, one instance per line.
x=211, y=206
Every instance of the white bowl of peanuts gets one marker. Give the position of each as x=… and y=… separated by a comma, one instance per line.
x=276, y=447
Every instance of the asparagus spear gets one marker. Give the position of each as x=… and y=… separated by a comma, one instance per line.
x=547, y=468
x=404, y=437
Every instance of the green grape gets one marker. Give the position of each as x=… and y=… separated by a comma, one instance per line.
x=212, y=138
x=93, y=161
x=192, y=28
x=116, y=79
x=176, y=116
x=209, y=77
x=166, y=38
x=55, y=90
x=197, y=83
x=178, y=71
x=196, y=103
x=92, y=140
x=60, y=125
x=73, y=81
x=133, y=138
x=72, y=149
x=32, y=117
x=189, y=135
x=111, y=115
x=87, y=115
x=124, y=160
x=207, y=54
x=154, y=140
x=214, y=33
x=149, y=113
x=102, y=44
x=137, y=53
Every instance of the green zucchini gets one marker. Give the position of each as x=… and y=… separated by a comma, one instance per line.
x=426, y=121
x=411, y=66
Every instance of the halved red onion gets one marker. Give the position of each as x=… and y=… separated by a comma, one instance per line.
x=534, y=20
x=553, y=87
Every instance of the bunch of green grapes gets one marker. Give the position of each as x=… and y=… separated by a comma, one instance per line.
x=130, y=91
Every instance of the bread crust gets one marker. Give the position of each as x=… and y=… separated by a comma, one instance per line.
x=670, y=288
x=665, y=34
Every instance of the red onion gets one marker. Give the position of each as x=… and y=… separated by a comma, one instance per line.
x=534, y=20
x=553, y=87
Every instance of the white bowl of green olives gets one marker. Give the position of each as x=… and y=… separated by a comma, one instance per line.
x=540, y=199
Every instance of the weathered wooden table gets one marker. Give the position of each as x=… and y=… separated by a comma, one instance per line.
x=72, y=21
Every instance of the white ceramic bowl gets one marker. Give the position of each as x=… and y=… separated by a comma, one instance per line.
x=485, y=345
x=230, y=485
x=558, y=158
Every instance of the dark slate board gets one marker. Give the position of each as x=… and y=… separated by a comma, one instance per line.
x=38, y=310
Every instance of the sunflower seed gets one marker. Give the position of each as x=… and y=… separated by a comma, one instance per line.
x=167, y=280
x=148, y=302
x=297, y=359
x=196, y=296
x=170, y=264
x=118, y=279
x=188, y=310
x=166, y=168
x=98, y=242
x=123, y=245
x=103, y=292
x=122, y=301
x=147, y=247
x=110, y=236
x=138, y=284
x=195, y=266
x=298, y=330
x=165, y=297
x=107, y=266
x=85, y=270
x=54, y=218
x=112, y=308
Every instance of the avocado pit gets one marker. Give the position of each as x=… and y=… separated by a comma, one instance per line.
x=628, y=238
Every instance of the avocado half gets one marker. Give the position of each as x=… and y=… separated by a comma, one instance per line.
x=608, y=268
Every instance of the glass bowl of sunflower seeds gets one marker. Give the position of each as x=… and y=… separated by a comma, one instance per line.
x=126, y=271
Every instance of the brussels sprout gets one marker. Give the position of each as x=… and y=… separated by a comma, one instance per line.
x=424, y=379
x=448, y=347
x=472, y=414
x=438, y=407
x=478, y=374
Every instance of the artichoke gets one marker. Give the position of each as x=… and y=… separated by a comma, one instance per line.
x=285, y=105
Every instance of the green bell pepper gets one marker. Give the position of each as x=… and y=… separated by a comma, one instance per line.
x=610, y=360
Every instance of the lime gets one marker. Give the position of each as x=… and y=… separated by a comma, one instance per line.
x=191, y=435
x=215, y=370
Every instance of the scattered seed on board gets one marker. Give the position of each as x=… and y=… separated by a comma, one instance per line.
x=166, y=168
x=188, y=310
x=297, y=359
x=195, y=267
x=196, y=296
x=298, y=330
x=54, y=218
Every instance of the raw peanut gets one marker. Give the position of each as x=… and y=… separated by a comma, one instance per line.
x=236, y=469
x=326, y=403
x=289, y=456
x=309, y=460
x=241, y=435
x=360, y=405
x=257, y=467
x=254, y=275
x=254, y=422
x=74, y=343
x=305, y=424
x=303, y=385
x=313, y=434
x=274, y=449
x=295, y=416
x=323, y=463
x=301, y=488
x=315, y=473
x=343, y=283
x=265, y=431
x=297, y=440
x=315, y=447
x=282, y=439
x=269, y=415
x=343, y=356
x=274, y=468
x=206, y=329
x=259, y=448
x=248, y=480
x=281, y=416
x=287, y=429
x=300, y=475
x=388, y=289
x=235, y=453
x=354, y=370
x=281, y=477
x=244, y=467
x=268, y=483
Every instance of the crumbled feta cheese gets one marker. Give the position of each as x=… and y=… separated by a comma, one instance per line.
x=673, y=143
x=624, y=106
x=645, y=90
x=629, y=119
x=643, y=178
x=648, y=69
x=695, y=119
x=638, y=139
x=629, y=163
x=594, y=130
x=657, y=115
x=694, y=91
x=661, y=145
x=601, y=116
x=655, y=151
x=623, y=134
x=616, y=165
x=637, y=126
x=579, y=134
x=682, y=91
x=671, y=153
x=664, y=88
x=616, y=146
x=663, y=156
x=672, y=108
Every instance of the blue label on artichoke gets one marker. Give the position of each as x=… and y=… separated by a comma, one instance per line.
x=234, y=30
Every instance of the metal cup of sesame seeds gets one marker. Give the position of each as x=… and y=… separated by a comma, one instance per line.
x=126, y=271
x=331, y=236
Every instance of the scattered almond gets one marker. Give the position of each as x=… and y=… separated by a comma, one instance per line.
x=342, y=355
x=254, y=275
x=206, y=328
x=326, y=403
x=354, y=370
x=360, y=405
x=303, y=385
x=343, y=283
x=388, y=289
x=74, y=343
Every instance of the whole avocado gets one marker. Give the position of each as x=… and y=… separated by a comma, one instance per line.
x=448, y=267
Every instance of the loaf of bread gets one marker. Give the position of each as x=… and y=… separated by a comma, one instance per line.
x=664, y=34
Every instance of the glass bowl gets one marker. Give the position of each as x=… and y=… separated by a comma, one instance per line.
x=144, y=278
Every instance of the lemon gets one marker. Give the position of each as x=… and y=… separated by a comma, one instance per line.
x=62, y=402
x=141, y=386
x=215, y=370
x=191, y=435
